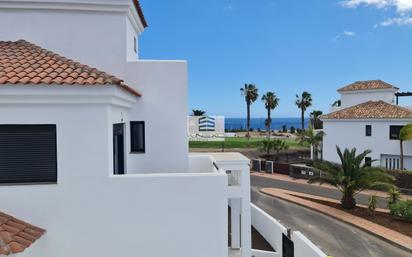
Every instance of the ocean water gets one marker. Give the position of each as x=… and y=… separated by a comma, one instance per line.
x=259, y=123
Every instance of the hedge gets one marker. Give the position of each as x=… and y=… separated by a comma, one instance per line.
x=403, y=178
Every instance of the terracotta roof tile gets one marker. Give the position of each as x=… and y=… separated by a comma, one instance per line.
x=366, y=85
x=371, y=110
x=16, y=235
x=22, y=62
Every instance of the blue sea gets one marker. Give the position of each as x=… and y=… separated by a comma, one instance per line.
x=259, y=123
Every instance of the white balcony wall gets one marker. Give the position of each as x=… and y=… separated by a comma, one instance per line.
x=147, y=215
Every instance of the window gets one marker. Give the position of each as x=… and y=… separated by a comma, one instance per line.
x=137, y=137
x=28, y=154
x=135, y=44
x=368, y=130
x=368, y=161
x=394, y=132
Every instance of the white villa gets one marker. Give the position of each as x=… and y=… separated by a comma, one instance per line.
x=86, y=156
x=368, y=118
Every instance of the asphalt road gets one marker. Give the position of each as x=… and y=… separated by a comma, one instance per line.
x=262, y=182
x=335, y=238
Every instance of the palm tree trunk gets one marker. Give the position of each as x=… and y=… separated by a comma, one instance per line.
x=248, y=122
x=401, y=153
x=348, y=201
x=268, y=125
x=315, y=152
x=302, y=119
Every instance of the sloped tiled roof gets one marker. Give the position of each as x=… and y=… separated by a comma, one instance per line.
x=371, y=110
x=22, y=62
x=366, y=85
x=16, y=235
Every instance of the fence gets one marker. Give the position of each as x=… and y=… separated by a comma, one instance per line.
x=274, y=232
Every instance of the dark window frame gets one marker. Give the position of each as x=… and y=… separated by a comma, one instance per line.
x=134, y=149
x=135, y=44
x=392, y=132
x=368, y=130
x=54, y=155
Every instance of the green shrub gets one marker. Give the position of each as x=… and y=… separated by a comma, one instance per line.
x=402, y=209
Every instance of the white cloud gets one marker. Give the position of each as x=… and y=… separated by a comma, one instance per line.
x=228, y=8
x=396, y=21
x=345, y=33
x=349, y=33
x=401, y=6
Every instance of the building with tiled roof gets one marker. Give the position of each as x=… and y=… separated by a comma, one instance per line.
x=24, y=63
x=16, y=235
x=366, y=85
x=370, y=110
x=94, y=145
x=368, y=118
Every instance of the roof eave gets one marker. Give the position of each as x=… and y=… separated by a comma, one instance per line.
x=140, y=12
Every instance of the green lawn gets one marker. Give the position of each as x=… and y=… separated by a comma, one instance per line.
x=239, y=142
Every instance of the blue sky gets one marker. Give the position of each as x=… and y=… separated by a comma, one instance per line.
x=285, y=46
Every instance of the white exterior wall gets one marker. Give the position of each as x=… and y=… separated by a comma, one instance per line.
x=147, y=215
x=98, y=33
x=163, y=107
x=351, y=133
x=351, y=98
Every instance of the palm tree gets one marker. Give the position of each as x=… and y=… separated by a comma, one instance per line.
x=314, y=138
x=198, y=112
x=250, y=92
x=404, y=135
x=314, y=118
x=271, y=102
x=352, y=176
x=303, y=102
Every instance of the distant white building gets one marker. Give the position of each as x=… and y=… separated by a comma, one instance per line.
x=206, y=127
x=368, y=118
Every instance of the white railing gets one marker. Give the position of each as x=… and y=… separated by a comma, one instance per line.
x=305, y=247
x=268, y=227
x=273, y=232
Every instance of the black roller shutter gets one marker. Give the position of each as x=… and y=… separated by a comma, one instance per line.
x=28, y=154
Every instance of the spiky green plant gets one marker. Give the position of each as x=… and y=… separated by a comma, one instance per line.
x=394, y=195
x=372, y=204
x=352, y=175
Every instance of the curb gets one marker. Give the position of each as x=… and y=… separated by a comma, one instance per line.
x=391, y=241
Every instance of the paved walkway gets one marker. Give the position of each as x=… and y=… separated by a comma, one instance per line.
x=287, y=178
x=378, y=230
